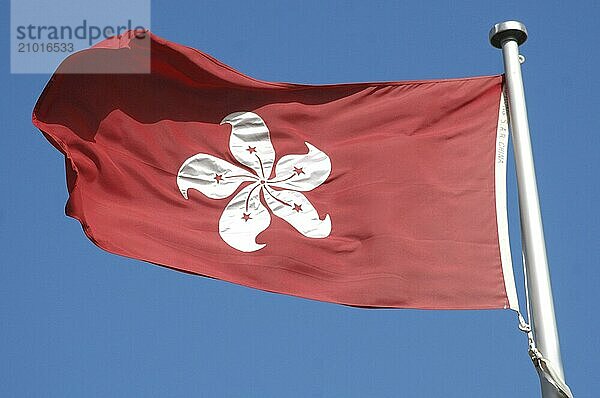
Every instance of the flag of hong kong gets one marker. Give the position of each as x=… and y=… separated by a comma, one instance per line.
x=367, y=194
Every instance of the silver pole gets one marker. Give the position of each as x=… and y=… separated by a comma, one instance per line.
x=508, y=36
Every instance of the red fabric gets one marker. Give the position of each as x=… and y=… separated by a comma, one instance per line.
x=411, y=192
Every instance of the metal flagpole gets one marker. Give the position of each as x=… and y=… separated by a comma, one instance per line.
x=508, y=36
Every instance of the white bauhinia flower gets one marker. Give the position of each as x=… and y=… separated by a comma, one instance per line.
x=246, y=216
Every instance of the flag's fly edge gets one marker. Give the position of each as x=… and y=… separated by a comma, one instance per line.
x=501, y=210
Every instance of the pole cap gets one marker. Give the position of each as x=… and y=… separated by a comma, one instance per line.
x=508, y=30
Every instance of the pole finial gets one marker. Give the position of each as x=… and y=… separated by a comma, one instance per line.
x=508, y=30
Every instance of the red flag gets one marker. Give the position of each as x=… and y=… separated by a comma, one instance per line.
x=367, y=194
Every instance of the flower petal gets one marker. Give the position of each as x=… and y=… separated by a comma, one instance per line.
x=212, y=176
x=243, y=219
x=295, y=208
x=250, y=142
x=302, y=172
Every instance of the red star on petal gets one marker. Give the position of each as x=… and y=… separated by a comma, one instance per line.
x=298, y=170
x=297, y=207
x=251, y=149
x=246, y=217
x=218, y=178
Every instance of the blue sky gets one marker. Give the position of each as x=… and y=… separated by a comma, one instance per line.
x=77, y=321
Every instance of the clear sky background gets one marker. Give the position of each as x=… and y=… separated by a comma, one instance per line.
x=76, y=321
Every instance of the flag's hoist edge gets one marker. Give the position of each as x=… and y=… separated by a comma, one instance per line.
x=501, y=210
